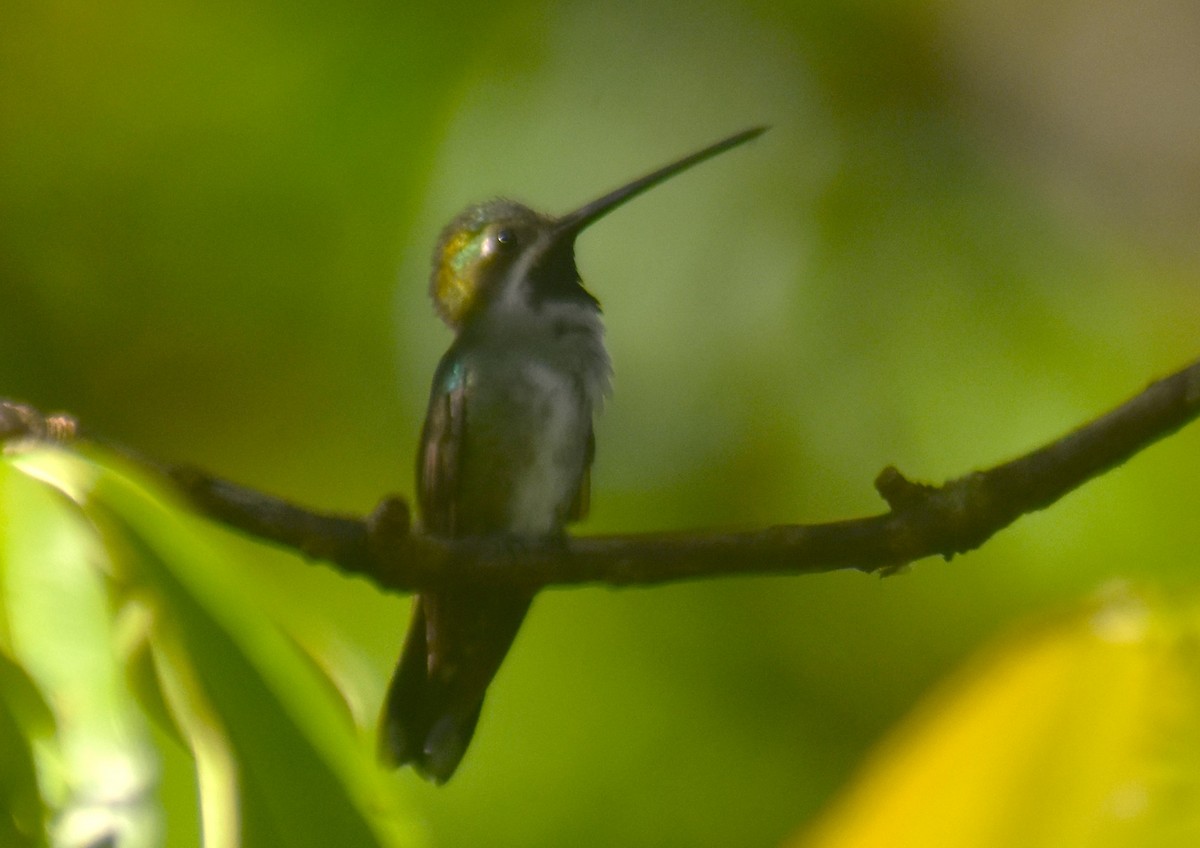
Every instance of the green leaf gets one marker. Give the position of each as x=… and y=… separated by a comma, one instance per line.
x=22, y=814
x=96, y=771
x=278, y=758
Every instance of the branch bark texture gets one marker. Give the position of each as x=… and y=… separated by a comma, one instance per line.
x=922, y=520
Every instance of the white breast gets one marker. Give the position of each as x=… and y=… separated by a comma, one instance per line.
x=544, y=373
x=561, y=418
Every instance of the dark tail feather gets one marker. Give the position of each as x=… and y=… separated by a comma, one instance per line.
x=403, y=723
x=454, y=646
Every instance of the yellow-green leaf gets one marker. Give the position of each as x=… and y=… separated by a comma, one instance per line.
x=1083, y=732
x=96, y=771
x=279, y=761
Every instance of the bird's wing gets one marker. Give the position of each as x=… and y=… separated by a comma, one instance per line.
x=457, y=637
x=440, y=458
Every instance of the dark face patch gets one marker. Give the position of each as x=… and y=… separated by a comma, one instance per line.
x=555, y=278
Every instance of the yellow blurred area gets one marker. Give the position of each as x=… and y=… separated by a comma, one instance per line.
x=1083, y=732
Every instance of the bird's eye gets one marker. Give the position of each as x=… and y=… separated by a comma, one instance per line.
x=506, y=238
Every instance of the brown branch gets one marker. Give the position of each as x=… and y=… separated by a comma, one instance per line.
x=922, y=521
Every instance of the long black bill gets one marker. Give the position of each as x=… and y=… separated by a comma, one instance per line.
x=571, y=223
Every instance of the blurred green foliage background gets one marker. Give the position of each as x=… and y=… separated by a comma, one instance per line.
x=970, y=229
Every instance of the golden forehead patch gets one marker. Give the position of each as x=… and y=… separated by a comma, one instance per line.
x=457, y=278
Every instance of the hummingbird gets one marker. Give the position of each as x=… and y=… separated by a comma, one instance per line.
x=507, y=445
